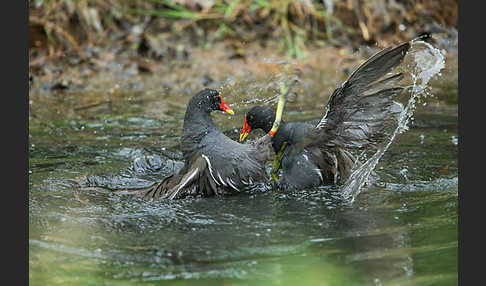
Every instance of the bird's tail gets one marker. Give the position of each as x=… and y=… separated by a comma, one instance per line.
x=193, y=179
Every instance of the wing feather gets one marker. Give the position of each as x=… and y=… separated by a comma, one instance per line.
x=360, y=111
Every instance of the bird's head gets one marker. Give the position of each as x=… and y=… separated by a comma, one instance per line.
x=258, y=117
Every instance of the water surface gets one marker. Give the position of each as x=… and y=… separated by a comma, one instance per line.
x=400, y=230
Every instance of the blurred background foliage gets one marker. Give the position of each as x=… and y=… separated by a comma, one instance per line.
x=158, y=28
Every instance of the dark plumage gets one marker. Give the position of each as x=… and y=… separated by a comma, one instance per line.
x=358, y=114
x=214, y=164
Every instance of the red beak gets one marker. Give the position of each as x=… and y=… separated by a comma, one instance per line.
x=245, y=131
x=224, y=107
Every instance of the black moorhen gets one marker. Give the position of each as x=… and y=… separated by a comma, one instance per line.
x=357, y=115
x=214, y=164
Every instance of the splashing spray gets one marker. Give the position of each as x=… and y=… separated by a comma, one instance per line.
x=426, y=62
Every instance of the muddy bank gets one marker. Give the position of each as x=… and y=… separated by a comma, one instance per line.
x=106, y=76
x=70, y=41
x=121, y=104
x=148, y=68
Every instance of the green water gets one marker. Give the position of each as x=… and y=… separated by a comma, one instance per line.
x=401, y=229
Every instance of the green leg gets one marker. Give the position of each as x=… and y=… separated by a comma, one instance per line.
x=282, y=98
x=277, y=162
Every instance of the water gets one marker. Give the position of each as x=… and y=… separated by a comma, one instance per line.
x=424, y=62
x=401, y=228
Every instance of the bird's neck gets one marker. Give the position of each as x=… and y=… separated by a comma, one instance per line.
x=197, y=125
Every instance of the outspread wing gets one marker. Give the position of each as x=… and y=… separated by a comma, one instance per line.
x=359, y=111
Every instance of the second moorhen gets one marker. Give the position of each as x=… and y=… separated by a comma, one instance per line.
x=357, y=117
x=214, y=164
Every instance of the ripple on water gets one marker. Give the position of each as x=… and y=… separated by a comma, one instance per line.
x=394, y=232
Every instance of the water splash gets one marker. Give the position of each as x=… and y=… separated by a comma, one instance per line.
x=422, y=63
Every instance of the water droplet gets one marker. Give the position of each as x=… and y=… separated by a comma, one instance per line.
x=454, y=140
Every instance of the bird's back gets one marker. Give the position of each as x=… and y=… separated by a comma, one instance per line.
x=232, y=164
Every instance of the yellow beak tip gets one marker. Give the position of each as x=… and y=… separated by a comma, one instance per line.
x=243, y=136
x=230, y=111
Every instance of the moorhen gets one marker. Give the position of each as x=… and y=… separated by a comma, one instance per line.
x=214, y=164
x=357, y=115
